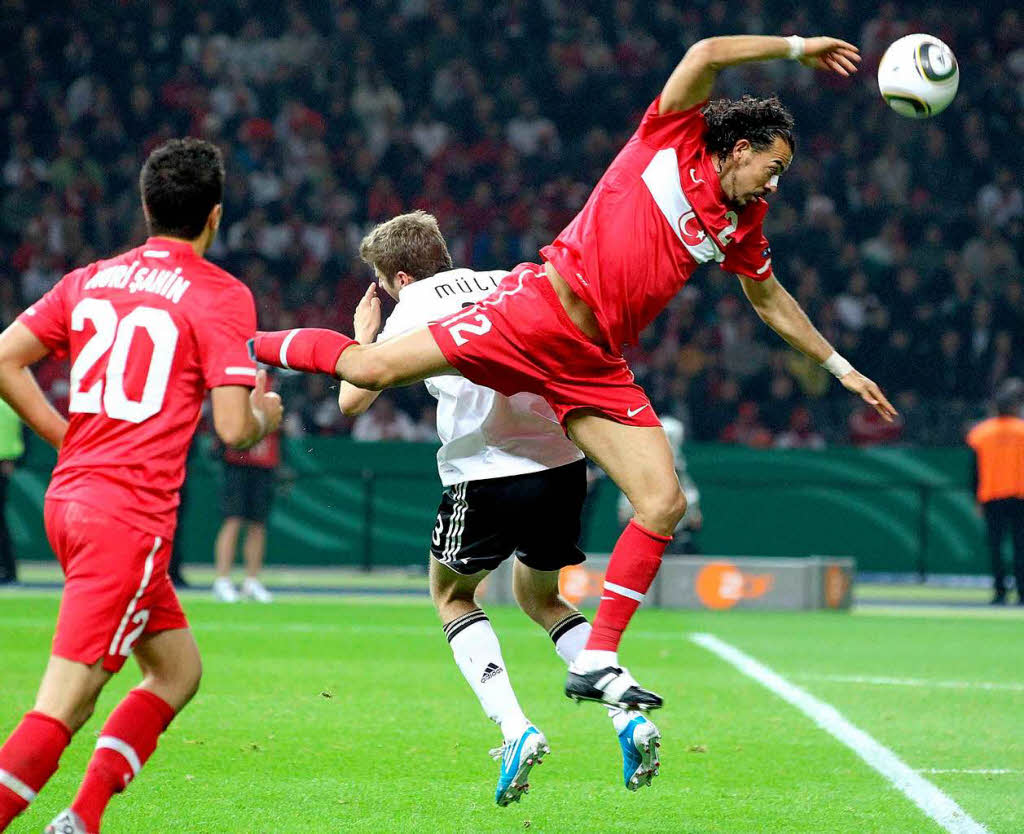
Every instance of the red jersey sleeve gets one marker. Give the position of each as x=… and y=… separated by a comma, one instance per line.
x=676, y=128
x=222, y=340
x=751, y=255
x=48, y=318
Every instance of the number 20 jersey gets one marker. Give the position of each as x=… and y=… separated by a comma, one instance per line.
x=147, y=333
x=658, y=212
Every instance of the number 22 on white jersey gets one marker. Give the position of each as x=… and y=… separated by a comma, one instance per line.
x=108, y=394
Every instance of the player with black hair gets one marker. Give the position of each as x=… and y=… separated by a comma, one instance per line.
x=148, y=333
x=688, y=188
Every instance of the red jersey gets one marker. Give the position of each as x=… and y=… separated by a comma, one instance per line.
x=658, y=212
x=147, y=333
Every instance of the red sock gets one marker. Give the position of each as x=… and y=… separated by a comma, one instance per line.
x=311, y=349
x=27, y=761
x=126, y=741
x=631, y=570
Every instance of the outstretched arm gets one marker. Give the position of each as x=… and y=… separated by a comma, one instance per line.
x=691, y=81
x=780, y=311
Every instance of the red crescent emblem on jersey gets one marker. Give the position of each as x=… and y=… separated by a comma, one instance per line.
x=691, y=232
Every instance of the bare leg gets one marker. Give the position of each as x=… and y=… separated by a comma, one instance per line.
x=69, y=690
x=225, y=545
x=170, y=665
x=453, y=594
x=640, y=461
x=254, y=548
x=537, y=593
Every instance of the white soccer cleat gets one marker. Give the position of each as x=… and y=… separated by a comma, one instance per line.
x=518, y=756
x=253, y=589
x=640, y=741
x=66, y=822
x=224, y=590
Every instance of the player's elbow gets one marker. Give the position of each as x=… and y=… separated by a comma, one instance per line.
x=352, y=407
x=232, y=430
x=705, y=54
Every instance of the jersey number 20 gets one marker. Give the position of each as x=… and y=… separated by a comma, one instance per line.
x=108, y=394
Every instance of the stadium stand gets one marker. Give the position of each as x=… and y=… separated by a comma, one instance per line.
x=902, y=239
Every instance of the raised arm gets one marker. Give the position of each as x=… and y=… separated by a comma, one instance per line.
x=692, y=79
x=354, y=401
x=780, y=311
x=20, y=348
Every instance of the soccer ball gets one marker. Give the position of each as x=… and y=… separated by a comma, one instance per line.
x=918, y=76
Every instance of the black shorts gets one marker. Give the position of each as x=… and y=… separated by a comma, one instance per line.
x=535, y=517
x=248, y=492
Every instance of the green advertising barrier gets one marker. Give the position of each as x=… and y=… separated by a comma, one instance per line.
x=363, y=504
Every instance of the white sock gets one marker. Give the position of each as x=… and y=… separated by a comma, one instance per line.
x=590, y=659
x=478, y=656
x=570, y=635
x=621, y=717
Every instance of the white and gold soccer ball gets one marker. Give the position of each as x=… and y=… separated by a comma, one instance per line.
x=918, y=76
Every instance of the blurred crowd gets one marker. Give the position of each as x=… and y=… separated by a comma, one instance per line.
x=901, y=238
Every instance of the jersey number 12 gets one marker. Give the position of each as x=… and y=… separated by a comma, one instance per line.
x=107, y=394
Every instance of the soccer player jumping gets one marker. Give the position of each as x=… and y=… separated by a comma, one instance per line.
x=148, y=333
x=688, y=188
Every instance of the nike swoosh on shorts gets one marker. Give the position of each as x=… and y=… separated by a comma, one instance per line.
x=632, y=412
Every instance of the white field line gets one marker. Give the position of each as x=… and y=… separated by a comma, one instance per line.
x=915, y=787
x=995, y=771
x=920, y=682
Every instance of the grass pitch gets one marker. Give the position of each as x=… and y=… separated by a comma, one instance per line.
x=347, y=714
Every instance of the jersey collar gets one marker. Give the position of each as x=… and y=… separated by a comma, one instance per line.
x=166, y=244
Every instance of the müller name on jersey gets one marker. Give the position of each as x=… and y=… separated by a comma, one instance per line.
x=475, y=282
x=164, y=282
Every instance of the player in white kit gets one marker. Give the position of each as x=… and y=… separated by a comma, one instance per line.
x=514, y=486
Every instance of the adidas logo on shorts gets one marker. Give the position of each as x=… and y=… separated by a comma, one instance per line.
x=491, y=670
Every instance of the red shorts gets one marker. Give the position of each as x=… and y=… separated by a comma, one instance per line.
x=521, y=339
x=116, y=586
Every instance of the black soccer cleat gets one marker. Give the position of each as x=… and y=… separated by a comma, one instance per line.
x=611, y=685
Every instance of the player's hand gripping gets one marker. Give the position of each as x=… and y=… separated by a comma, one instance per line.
x=366, y=319
x=266, y=403
x=831, y=54
x=870, y=393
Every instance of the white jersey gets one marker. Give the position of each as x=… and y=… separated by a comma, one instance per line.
x=483, y=433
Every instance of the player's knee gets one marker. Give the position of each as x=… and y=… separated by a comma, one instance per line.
x=446, y=595
x=663, y=511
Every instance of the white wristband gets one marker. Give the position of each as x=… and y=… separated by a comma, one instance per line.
x=837, y=365
x=796, y=47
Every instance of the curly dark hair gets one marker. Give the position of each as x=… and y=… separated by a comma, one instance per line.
x=181, y=181
x=758, y=120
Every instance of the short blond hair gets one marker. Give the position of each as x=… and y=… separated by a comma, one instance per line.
x=410, y=243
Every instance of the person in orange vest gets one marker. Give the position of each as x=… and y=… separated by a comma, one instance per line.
x=998, y=445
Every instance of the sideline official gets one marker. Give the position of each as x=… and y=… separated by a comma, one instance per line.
x=998, y=445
